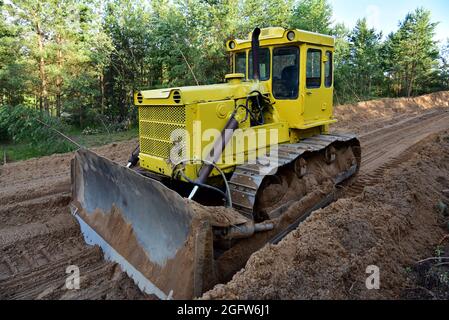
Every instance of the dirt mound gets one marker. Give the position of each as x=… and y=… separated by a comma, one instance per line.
x=368, y=115
x=391, y=225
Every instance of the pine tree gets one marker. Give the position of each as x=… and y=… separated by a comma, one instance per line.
x=33, y=16
x=260, y=13
x=365, y=45
x=444, y=66
x=412, y=53
x=312, y=15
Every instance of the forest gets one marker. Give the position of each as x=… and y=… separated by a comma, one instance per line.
x=74, y=64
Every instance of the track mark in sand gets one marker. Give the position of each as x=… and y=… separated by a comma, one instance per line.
x=15, y=234
x=33, y=262
x=30, y=283
x=381, y=146
x=11, y=193
x=388, y=147
x=39, y=238
x=33, y=210
x=35, y=257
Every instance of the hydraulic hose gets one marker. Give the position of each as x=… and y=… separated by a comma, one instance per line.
x=227, y=195
x=134, y=158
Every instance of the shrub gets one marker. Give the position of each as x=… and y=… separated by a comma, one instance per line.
x=20, y=124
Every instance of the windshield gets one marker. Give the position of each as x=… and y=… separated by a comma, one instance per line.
x=264, y=64
x=286, y=72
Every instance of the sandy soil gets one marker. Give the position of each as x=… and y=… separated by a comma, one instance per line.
x=391, y=224
x=365, y=116
x=39, y=236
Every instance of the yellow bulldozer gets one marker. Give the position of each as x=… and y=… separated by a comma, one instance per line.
x=221, y=170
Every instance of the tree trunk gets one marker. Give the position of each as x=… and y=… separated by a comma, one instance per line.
x=102, y=89
x=411, y=80
x=81, y=115
x=43, y=104
x=410, y=88
x=59, y=77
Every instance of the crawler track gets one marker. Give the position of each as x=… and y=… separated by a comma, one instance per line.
x=248, y=179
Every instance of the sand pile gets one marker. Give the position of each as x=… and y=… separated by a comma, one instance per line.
x=391, y=225
x=368, y=115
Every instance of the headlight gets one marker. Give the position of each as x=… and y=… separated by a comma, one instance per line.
x=232, y=45
x=291, y=35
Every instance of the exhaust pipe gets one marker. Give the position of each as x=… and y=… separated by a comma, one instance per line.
x=255, y=53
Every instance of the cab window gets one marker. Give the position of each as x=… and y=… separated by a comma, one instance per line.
x=313, y=74
x=264, y=64
x=240, y=63
x=328, y=66
x=286, y=73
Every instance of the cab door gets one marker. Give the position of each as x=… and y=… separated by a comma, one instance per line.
x=317, y=97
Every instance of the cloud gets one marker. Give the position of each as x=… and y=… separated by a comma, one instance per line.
x=373, y=16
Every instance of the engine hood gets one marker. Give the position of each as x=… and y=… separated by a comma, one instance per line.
x=198, y=94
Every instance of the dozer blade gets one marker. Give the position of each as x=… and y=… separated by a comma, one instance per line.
x=148, y=229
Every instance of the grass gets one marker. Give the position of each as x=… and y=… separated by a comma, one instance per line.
x=23, y=151
x=15, y=152
x=100, y=139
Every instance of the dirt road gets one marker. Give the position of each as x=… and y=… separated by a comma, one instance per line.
x=39, y=238
x=381, y=145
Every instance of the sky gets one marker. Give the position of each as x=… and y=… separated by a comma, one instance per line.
x=384, y=15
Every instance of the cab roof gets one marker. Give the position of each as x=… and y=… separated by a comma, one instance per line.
x=278, y=35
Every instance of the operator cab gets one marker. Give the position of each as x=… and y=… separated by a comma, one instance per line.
x=285, y=69
x=297, y=68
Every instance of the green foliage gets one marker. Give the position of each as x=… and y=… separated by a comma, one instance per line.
x=439, y=251
x=359, y=72
x=412, y=54
x=20, y=125
x=259, y=13
x=365, y=58
x=405, y=64
x=98, y=139
x=444, y=66
x=312, y=15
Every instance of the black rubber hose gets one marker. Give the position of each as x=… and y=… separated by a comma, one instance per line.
x=259, y=107
x=134, y=158
x=203, y=185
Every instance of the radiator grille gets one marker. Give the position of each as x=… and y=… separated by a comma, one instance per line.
x=156, y=123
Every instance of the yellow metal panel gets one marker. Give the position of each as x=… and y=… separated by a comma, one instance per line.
x=199, y=94
x=317, y=101
x=156, y=123
x=278, y=36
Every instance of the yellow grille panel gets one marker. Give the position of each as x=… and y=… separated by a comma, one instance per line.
x=157, y=130
x=155, y=148
x=173, y=114
x=156, y=124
